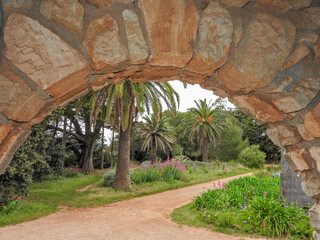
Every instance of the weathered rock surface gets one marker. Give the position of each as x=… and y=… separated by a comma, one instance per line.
x=307, y=37
x=312, y=122
x=107, y=3
x=73, y=95
x=18, y=100
x=172, y=28
x=300, y=52
x=304, y=133
x=307, y=18
x=300, y=96
x=66, y=12
x=215, y=36
x=235, y=3
x=159, y=74
x=314, y=214
x=17, y=4
x=5, y=127
x=286, y=5
x=282, y=135
x=299, y=160
x=278, y=88
x=103, y=43
x=138, y=48
x=264, y=47
x=237, y=29
x=315, y=154
x=261, y=110
x=11, y=144
x=42, y=55
x=317, y=51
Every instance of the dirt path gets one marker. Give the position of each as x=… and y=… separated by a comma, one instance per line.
x=146, y=217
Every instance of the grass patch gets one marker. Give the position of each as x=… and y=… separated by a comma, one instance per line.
x=45, y=197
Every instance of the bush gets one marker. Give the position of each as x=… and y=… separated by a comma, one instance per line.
x=252, y=157
x=108, y=178
x=71, y=172
x=168, y=170
x=182, y=158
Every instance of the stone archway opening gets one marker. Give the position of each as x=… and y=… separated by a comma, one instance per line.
x=264, y=55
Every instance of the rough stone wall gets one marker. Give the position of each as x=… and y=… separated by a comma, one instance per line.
x=264, y=55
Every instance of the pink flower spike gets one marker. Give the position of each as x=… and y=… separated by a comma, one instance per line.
x=219, y=184
x=252, y=188
x=224, y=186
x=265, y=194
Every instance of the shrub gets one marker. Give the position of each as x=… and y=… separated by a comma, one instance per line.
x=108, y=178
x=71, y=172
x=182, y=158
x=252, y=157
x=167, y=170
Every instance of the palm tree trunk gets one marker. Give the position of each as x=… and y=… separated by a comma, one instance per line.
x=122, y=177
x=102, y=146
x=112, y=147
x=153, y=151
x=205, y=149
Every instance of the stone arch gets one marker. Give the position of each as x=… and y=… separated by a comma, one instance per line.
x=264, y=55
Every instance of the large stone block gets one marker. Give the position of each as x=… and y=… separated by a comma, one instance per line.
x=138, y=48
x=17, y=4
x=315, y=154
x=300, y=96
x=10, y=145
x=312, y=122
x=299, y=160
x=19, y=100
x=299, y=53
x=172, y=27
x=304, y=133
x=282, y=135
x=42, y=55
x=215, y=36
x=262, y=111
x=5, y=127
x=314, y=214
x=278, y=88
x=103, y=43
x=307, y=18
x=66, y=12
x=265, y=45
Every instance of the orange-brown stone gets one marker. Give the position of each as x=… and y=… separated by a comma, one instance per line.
x=278, y=88
x=5, y=127
x=282, y=135
x=160, y=74
x=286, y=5
x=307, y=37
x=172, y=28
x=73, y=95
x=103, y=43
x=304, y=133
x=300, y=96
x=312, y=122
x=262, y=111
x=19, y=100
x=315, y=154
x=264, y=47
x=299, y=160
x=235, y=3
x=17, y=4
x=40, y=54
x=317, y=51
x=213, y=45
x=300, y=52
x=138, y=48
x=66, y=12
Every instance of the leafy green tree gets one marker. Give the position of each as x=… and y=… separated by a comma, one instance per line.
x=205, y=125
x=128, y=99
x=252, y=157
x=158, y=134
x=230, y=144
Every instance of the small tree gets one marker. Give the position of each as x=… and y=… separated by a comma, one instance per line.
x=252, y=157
x=158, y=134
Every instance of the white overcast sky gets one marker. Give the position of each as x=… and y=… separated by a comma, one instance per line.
x=192, y=93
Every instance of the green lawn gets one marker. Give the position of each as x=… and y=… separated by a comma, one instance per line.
x=45, y=197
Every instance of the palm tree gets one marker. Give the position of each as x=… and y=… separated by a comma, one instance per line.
x=128, y=99
x=205, y=124
x=158, y=134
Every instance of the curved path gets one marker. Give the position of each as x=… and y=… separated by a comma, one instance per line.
x=146, y=217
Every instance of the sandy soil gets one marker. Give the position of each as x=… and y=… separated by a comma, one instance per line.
x=147, y=217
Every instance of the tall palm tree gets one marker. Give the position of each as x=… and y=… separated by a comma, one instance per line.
x=205, y=124
x=158, y=133
x=128, y=99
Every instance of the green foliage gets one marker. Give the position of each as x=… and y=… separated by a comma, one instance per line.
x=252, y=204
x=168, y=170
x=252, y=157
x=182, y=158
x=108, y=178
x=36, y=159
x=231, y=143
x=71, y=172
